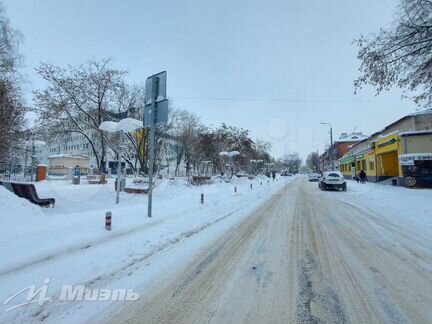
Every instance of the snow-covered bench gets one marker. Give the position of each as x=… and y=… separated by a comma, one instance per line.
x=95, y=179
x=199, y=180
x=28, y=191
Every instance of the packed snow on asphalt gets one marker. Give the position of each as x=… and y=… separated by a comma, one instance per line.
x=279, y=252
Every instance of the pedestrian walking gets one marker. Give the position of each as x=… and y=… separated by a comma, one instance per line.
x=362, y=176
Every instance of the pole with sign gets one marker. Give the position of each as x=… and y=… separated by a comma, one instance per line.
x=155, y=112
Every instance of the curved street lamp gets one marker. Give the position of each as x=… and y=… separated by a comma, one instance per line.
x=125, y=125
x=230, y=155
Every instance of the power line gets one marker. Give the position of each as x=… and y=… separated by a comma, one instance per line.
x=282, y=100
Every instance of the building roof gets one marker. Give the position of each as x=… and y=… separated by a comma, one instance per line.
x=411, y=133
x=376, y=134
x=353, y=137
x=75, y=156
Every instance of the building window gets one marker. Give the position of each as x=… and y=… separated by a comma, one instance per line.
x=371, y=165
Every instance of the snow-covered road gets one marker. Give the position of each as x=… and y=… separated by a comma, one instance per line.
x=305, y=256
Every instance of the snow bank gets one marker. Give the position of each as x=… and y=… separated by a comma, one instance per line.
x=399, y=205
x=17, y=210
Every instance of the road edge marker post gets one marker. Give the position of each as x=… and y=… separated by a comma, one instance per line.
x=108, y=220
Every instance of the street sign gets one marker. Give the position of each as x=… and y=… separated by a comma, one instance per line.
x=161, y=114
x=155, y=112
x=159, y=81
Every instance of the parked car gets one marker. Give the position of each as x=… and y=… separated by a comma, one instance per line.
x=313, y=177
x=332, y=180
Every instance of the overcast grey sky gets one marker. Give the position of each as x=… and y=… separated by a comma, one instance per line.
x=278, y=68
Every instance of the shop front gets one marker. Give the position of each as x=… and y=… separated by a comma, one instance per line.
x=347, y=166
x=416, y=158
x=387, y=163
x=370, y=165
x=416, y=169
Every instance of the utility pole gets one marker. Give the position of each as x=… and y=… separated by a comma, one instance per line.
x=332, y=149
x=331, y=155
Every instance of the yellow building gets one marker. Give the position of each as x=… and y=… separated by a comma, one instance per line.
x=405, y=156
x=387, y=152
x=352, y=164
x=379, y=155
x=62, y=163
x=346, y=164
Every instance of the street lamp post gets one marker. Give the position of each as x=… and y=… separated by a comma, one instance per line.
x=268, y=166
x=331, y=155
x=257, y=163
x=230, y=156
x=124, y=125
x=254, y=162
x=206, y=164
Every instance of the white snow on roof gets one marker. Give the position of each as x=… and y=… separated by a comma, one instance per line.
x=75, y=156
x=35, y=143
x=353, y=137
x=415, y=132
x=421, y=112
x=388, y=134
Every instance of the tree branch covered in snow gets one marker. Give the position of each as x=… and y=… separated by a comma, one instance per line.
x=401, y=55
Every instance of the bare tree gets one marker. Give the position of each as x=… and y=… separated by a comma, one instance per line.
x=78, y=99
x=312, y=161
x=227, y=138
x=187, y=127
x=12, y=106
x=291, y=161
x=401, y=55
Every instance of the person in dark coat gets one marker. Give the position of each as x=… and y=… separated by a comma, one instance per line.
x=362, y=176
x=274, y=175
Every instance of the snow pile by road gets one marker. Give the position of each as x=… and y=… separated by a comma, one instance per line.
x=17, y=210
x=411, y=207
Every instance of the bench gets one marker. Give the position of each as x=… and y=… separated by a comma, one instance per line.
x=136, y=190
x=28, y=191
x=95, y=179
x=199, y=180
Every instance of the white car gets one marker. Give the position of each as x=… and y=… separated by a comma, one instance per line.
x=313, y=177
x=332, y=180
